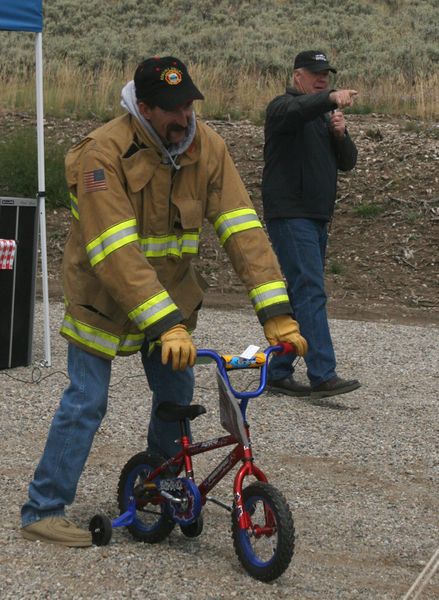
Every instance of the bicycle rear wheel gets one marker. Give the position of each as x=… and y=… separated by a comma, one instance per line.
x=152, y=523
x=266, y=548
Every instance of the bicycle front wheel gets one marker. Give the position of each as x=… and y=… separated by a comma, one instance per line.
x=266, y=547
x=152, y=522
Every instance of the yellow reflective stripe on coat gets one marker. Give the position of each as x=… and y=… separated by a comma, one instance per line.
x=74, y=206
x=132, y=342
x=155, y=246
x=94, y=338
x=113, y=238
x=152, y=310
x=266, y=294
x=235, y=221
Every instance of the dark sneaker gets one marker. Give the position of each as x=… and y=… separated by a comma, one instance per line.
x=335, y=386
x=288, y=386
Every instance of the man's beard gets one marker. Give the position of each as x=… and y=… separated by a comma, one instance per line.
x=175, y=127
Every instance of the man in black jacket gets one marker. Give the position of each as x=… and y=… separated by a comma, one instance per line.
x=306, y=142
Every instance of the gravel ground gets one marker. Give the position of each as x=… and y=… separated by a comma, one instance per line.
x=360, y=473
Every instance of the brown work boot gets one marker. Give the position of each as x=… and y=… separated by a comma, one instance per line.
x=335, y=386
x=57, y=530
x=288, y=386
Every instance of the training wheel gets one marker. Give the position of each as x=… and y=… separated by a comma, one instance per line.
x=101, y=530
x=194, y=529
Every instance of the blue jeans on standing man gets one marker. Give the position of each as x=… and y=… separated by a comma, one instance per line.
x=300, y=245
x=78, y=417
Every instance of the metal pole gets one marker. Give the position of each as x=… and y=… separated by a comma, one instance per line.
x=42, y=192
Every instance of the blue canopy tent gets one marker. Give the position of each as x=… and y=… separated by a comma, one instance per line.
x=21, y=15
x=27, y=15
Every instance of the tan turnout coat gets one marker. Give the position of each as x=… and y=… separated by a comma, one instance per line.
x=135, y=229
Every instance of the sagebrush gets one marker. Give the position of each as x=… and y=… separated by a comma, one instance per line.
x=242, y=50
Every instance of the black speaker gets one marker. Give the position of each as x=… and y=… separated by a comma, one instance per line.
x=19, y=222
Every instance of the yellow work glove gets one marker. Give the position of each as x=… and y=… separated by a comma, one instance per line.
x=285, y=329
x=177, y=344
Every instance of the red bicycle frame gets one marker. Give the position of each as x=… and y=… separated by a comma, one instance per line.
x=241, y=452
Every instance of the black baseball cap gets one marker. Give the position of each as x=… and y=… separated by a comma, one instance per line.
x=165, y=82
x=313, y=60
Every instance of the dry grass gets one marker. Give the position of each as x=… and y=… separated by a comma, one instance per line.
x=230, y=92
x=418, y=97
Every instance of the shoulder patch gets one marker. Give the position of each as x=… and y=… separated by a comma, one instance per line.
x=94, y=181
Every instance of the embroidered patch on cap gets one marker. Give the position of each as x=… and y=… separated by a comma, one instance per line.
x=320, y=57
x=95, y=181
x=173, y=76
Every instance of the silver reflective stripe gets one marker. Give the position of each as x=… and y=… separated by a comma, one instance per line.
x=155, y=246
x=109, y=241
x=133, y=342
x=235, y=221
x=90, y=338
x=267, y=295
x=74, y=206
x=152, y=314
x=160, y=246
x=191, y=244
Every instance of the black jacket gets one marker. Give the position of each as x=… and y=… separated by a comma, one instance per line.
x=302, y=157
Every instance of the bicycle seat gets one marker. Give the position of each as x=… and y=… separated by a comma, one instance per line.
x=169, y=411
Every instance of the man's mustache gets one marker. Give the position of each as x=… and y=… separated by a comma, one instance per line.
x=176, y=127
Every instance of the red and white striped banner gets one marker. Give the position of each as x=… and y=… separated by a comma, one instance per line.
x=7, y=254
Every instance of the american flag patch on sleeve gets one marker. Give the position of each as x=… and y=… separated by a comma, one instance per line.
x=95, y=180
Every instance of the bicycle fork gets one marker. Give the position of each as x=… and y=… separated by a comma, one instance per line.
x=247, y=469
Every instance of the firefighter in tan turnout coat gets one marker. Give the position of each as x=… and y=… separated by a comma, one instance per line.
x=140, y=189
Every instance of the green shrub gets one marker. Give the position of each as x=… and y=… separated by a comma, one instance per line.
x=336, y=268
x=368, y=211
x=416, y=127
x=363, y=37
x=387, y=49
x=360, y=109
x=19, y=168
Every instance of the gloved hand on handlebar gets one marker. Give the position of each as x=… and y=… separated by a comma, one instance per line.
x=177, y=344
x=283, y=328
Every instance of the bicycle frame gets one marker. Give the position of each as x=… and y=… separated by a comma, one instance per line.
x=239, y=453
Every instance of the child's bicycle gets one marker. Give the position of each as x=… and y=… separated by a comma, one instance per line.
x=152, y=499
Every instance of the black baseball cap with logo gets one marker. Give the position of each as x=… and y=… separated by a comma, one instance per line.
x=313, y=60
x=165, y=82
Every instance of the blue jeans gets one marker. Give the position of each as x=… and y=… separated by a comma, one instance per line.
x=171, y=386
x=300, y=245
x=81, y=410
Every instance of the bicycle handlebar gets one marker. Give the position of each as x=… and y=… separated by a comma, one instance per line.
x=225, y=363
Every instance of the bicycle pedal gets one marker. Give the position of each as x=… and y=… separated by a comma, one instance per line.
x=145, y=487
x=149, y=486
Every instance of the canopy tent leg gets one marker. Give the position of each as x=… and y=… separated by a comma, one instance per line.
x=42, y=194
